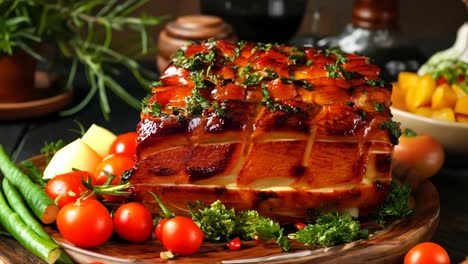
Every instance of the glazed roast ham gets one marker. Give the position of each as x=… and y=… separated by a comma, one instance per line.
x=279, y=129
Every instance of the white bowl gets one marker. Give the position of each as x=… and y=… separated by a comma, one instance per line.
x=452, y=135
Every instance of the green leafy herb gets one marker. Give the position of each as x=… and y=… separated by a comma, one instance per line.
x=330, y=229
x=156, y=84
x=379, y=107
x=333, y=70
x=84, y=32
x=409, y=133
x=50, y=148
x=216, y=222
x=298, y=58
x=304, y=83
x=340, y=57
x=378, y=82
x=154, y=109
x=394, y=129
x=396, y=205
x=33, y=172
x=270, y=73
x=220, y=224
x=263, y=47
x=362, y=114
x=252, y=79
x=250, y=225
x=454, y=71
x=196, y=62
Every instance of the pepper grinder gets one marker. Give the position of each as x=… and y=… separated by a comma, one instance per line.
x=190, y=28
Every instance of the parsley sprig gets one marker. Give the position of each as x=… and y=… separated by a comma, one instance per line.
x=330, y=229
x=220, y=224
x=396, y=205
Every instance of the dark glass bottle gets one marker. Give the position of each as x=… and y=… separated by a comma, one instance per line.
x=374, y=32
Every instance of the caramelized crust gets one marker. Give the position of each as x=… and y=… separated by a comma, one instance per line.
x=275, y=128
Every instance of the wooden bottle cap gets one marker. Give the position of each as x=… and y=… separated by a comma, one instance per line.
x=190, y=28
x=376, y=14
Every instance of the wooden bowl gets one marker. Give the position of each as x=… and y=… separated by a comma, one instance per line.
x=190, y=28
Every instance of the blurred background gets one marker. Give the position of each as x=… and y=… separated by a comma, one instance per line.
x=429, y=24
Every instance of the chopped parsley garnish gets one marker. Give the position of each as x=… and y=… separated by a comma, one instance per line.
x=409, y=133
x=350, y=103
x=340, y=57
x=362, y=114
x=195, y=62
x=330, y=229
x=263, y=47
x=298, y=58
x=378, y=82
x=252, y=79
x=396, y=205
x=379, y=107
x=246, y=69
x=334, y=70
x=286, y=80
x=270, y=73
x=394, y=129
x=453, y=71
x=304, y=83
x=267, y=101
x=153, y=109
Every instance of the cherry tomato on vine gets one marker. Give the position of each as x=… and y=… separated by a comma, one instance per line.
x=68, y=187
x=115, y=164
x=159, y=228
x=427, y=253
x=86, y=223
x=181, y=235
x=417, y=156
x=133, y=222
x=125, y=144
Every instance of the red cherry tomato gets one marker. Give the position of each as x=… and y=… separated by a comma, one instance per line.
x=124, y=144
x=299, y=225
x=86, y=224
x=181, y=235
x=133, y=222
x=68, y=186
x=234, y=244
x=115, y=164
x=427, y=253
x=159, y=228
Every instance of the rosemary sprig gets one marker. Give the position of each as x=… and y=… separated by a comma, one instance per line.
x=83, y=31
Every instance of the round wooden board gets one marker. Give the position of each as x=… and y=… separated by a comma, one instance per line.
x=385, y=246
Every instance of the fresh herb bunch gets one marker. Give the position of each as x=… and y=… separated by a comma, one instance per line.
x=396, y=205
x=330, y=229
x=83, y=30
x=221, y=224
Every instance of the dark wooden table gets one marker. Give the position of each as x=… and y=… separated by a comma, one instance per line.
x=24, y=138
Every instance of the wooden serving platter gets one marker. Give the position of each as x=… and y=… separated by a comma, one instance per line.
x=385, y=246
